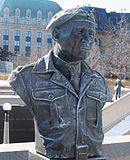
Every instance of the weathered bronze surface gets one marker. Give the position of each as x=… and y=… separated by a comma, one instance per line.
x=63, y=93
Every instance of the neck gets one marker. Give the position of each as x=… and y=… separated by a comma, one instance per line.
x=64, y=67
x=61, y=66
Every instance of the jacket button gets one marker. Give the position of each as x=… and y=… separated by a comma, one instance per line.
x=51, y=96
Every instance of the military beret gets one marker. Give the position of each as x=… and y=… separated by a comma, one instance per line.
x=77, y=13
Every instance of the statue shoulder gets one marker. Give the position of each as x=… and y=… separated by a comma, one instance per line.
x=103, y=81
x=25, y=67
x=99, y=75
x=20, y=70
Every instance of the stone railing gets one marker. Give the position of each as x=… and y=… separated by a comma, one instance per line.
x=115, y=112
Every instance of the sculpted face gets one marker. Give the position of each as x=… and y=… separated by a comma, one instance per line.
x=74, y=41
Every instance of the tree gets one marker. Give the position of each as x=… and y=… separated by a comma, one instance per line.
x=5, y=55
x=115, y=58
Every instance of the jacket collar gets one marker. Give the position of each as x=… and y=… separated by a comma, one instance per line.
x=46, y=65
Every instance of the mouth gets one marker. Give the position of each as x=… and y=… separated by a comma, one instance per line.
x=85, y=47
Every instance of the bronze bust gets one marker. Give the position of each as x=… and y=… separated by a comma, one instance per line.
x=63, y=93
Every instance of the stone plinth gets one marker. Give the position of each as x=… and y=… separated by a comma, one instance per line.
x=21, y=155
x=114, y=148
x=19, y=151
x=117, y=147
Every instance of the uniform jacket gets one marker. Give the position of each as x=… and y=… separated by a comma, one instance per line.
x=68, y=123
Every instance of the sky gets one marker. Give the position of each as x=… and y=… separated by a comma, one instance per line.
x=109, y=5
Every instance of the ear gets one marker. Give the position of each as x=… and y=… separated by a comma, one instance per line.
x=55, y=34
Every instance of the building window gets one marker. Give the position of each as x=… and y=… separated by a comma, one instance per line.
x=5, y=44
x=39, y=14
x=50, y=15
x=16, y=46
x=28, y=13
x=6, y=35
x=39, y=34
x=5, y=20
x=16, y=21
x=28, y=34
x=28, y=43
x=5, y=39
x=39, y=39
x=17, y=33
x=49, y=41
x=28, y=22
x=17, y=41
x=39, y=44
x=6, y=12
x=39, y=23
x=27, y=51
x=6, y=32
x=17, y=12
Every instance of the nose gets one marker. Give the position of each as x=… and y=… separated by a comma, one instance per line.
x=85, y=35
x=87, y=38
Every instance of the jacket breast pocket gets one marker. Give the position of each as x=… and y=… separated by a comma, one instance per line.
x=45, y=101
x=95, y=102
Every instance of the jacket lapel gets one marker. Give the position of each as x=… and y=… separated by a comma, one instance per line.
x=45, y=65
x=86, y=78
x=59, y=79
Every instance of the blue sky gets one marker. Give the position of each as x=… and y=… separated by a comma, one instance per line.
x=109, y=5
x=1, y=2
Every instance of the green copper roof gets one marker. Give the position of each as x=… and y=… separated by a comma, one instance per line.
x=44, y=5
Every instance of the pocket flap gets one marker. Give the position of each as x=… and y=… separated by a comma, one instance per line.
x=100, y=96
x=49, y=94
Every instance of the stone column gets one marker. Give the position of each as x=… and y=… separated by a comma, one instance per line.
x=22, y=41
x=33, y=41
x=11, y=40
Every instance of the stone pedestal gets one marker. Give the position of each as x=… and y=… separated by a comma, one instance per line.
x=20, y=151
x=114, y=148
x=21, y=155
x=6, y=66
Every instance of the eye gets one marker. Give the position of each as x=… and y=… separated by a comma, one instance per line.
x=91, y=34
x=80, y=31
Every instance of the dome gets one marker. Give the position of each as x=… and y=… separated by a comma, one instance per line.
x=44, y=6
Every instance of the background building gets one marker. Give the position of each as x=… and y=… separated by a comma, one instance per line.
x=112, y=52
x=22, y=31
x=22, y=26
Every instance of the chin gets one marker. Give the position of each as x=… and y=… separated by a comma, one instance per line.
x=79, y=59
x=82, y=57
